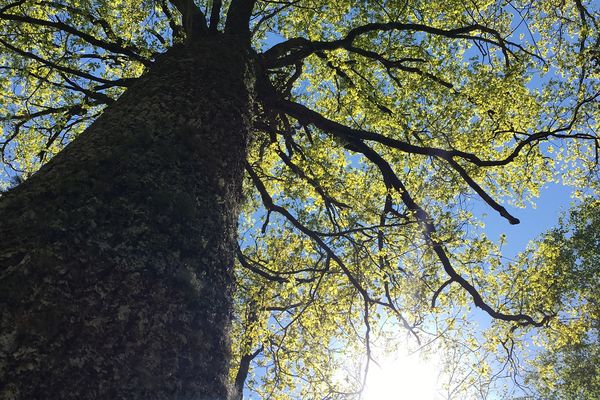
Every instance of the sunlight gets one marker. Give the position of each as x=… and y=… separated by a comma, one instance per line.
x=400, y=377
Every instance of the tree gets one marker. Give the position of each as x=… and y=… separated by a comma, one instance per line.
x=360, y=135
x=568, y=369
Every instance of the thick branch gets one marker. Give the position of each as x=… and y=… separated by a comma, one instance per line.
x=215, y=15
x=93, y=94
x=172, y=22
x=296, y=49
x=309, y=116
x=242, y=373
x=272, y=14
x=192, y=18
x=482, y=193
x=244, y=262
x=439, y=291
x=349, y=135
x=238, y=17
x=45, y=111
x=11, y=5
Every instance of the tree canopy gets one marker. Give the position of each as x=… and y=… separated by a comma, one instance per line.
x=378, y=125
x=568, y=368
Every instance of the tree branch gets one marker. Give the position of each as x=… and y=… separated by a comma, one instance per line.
x=192, y=18
x=172, y=22
x=215, y=15
x=238, y=17
x=11, y=5
x=296, y=49
x=429, y=232
x=399, y=64
x=270, y=205
x=119, y=82
x=272, y=14
x=242, y=373
x=349, y=135
x=353, y=142
x=439, y=291
x=108, y=46
x=244, y=262
x=482, y=193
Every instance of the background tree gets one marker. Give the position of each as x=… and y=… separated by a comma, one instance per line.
x=364, y=134
x=568, y=369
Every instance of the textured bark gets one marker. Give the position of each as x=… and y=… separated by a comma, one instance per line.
x=115, y=258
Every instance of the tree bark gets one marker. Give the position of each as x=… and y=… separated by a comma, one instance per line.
x=116, y=257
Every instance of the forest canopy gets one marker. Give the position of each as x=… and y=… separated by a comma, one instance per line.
x=380, y=131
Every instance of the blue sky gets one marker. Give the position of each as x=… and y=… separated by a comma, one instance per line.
x=553, y=200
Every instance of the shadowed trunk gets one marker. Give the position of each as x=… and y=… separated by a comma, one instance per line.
x=116, y=257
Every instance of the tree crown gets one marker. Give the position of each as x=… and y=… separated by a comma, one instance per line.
x=377, y=124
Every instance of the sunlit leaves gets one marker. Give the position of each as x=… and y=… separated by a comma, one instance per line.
x=519, y=92
x=433, y=91
x=55, y=57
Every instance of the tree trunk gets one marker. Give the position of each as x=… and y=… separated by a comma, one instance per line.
x=116, y=257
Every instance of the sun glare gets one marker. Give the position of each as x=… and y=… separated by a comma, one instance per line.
x=403, y=377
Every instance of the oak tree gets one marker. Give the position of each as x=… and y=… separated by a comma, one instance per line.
x=330, y=150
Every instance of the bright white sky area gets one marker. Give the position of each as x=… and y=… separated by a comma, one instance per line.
x=402, y=376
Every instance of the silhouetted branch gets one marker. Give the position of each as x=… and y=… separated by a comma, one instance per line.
x=296, y=49
x=349, y=135
x=175, y=27
x=272, y=14
x=430, y=232
x=192, y=18
x=215, y=15
x=352, y=140
x=108, y=46
x=242, y=373
x=439, y=291
x=238, y=17
x=270, y=205
x=118, y=82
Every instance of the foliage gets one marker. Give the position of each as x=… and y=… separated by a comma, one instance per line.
x=568, y=368
x=380, y=124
